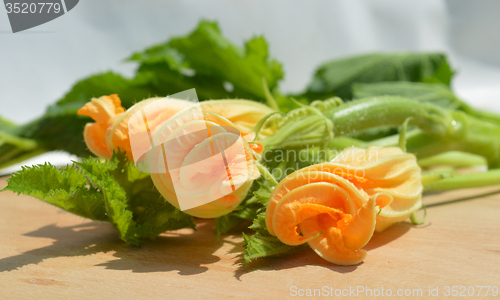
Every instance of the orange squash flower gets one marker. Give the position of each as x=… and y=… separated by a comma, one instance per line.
x=211, y=160
x=335, y=207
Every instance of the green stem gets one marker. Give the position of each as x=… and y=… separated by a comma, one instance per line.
x=389, y=111
x=17, y=156
x=402, y=134
x=463, y=181
x=432, y=176
x=269, y=97
x=455, y=159
x=342, y=142
x=294, y=133
x=261, y=123
x=481, y=114
x=415, y=221
x=417, y=142
x=267, y=175
x=393, y=140
x=21, y=143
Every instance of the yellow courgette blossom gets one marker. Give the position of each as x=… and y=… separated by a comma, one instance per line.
x=336, y=206
x=221, y=182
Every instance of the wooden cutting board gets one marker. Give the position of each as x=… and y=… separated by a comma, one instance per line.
x=46, y=253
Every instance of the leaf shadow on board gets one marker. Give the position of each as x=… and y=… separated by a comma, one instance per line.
x=185, y=252
x=72, y=241
x=302, y=256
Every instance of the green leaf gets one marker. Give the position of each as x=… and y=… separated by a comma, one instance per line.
x=226, y=223
x=134, y=206
x=210, y=54
x=153, y=214
x=158, y=54
x=115, y=195
x=261, y=243
x=129, y=91
x=160, y=78
x=111, y=190
x=65, y=188
x=338, y=76
x=207, y=61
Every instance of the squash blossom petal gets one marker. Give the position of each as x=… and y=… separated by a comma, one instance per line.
x=385, y=170
x=119, y=130
x=102, y=110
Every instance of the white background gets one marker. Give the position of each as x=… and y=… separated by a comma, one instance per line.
x=39, y=65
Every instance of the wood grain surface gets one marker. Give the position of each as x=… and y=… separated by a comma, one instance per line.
x=46, y=253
